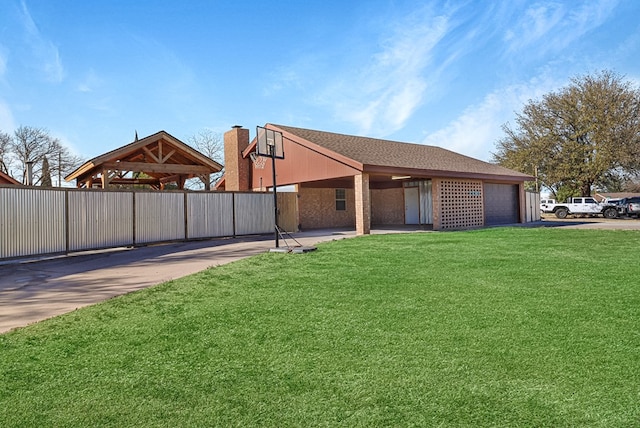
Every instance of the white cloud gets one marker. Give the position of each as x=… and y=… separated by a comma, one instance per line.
x=536, y=23
x=395, y=80
x=379, y=96
x=284, y=78
x=7, y=122
x=592, y=14
x=475, y=132
x=90, y=82
x=52, y=67
x=3, y=61
x=45, y=52
x=552, y=25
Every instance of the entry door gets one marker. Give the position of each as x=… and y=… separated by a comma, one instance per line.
x=411, y=205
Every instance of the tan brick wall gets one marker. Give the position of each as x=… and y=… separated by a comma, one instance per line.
x=317, y=209
x=387, y=206
x=457, y=204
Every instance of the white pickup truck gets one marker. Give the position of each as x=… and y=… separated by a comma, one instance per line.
x=579, y=206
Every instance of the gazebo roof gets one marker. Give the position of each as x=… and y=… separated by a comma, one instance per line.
x=161, y=157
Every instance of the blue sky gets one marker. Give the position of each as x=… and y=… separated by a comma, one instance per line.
x=445, y=73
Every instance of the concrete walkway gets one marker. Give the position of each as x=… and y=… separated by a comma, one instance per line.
x=34, y=290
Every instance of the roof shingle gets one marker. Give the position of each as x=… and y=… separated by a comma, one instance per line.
x=394, y=154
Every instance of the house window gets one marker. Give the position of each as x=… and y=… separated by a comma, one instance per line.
x=341, y=200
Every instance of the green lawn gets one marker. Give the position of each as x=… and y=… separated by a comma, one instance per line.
x=500, y=327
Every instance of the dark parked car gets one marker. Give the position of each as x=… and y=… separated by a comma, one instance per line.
x=633, y=207
x=629, y=206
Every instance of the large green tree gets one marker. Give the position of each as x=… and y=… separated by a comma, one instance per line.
x=585, y=135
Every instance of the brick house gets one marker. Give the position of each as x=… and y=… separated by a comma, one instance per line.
x=350, y=181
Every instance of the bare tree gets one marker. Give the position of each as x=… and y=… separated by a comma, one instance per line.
x=210, y=144
x=62, y=161
x=30, y=144
x=5, y=145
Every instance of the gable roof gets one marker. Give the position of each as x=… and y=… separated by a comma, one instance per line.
x=160, y=155
x=377, y=155
x=7, y=179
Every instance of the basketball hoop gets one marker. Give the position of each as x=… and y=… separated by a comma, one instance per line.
x=258, y=161
x=269, y=143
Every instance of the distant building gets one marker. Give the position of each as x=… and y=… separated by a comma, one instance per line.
x=7, y=179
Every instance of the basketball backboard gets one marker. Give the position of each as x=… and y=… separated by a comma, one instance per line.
x=269, y=143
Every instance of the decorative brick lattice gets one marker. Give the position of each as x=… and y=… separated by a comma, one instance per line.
x=460, y=204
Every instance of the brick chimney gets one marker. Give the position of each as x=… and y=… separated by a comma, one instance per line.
x=236, y=168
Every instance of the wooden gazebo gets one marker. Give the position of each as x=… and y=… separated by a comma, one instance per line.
x=155, y=161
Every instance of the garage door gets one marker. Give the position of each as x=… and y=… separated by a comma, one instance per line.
x=500, y=203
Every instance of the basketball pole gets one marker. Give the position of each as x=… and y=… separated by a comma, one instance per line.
x=268, y=147
x=275, y=194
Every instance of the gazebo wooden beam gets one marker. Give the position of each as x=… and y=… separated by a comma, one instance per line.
x=149, y=181
x=151, y=155
x=170, y=179
x=206, y=180
x=166, y=158
x=166, y=168
x=105, y=178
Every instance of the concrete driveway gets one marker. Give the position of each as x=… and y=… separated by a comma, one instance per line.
x=34, y=290
x=623, y=223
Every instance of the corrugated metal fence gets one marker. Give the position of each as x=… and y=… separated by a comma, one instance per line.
x=37, y=221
